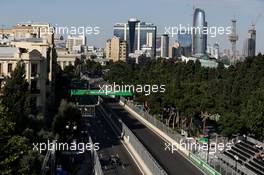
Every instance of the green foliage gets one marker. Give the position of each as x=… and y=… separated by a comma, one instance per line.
x=18, y=127
x=67, y=113
x=236, y=93
x=16, y=99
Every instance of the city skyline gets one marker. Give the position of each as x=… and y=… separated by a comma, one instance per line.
x=172, y=13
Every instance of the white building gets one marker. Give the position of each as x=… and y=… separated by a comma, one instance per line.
x=36, y=54
x=74, y=43
x=66, y=58
x=213, y=51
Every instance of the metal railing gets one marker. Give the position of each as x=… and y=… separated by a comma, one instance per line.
x=153, y=120
x=146, y=157
x=97, y=169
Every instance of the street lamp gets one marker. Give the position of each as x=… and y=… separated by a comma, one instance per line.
x=71, y=127
x=236, y=158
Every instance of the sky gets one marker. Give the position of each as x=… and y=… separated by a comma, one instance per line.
x=162, y=13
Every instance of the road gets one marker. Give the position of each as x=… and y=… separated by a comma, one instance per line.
x=114, y=158
x=173, y=164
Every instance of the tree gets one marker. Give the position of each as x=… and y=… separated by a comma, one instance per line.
x=67, y=113
x=230, y=124
x=235, y=93
x=16, y=98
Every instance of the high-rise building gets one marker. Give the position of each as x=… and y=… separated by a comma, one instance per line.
x=116, y=49
x=174, y=50
x=164, y=47
x=249, y=49
x=75, y=42
x=213, y=51
x=137, y=34
x=199, y=39
x=185, y=41
x=233, y=38
x=158, y=45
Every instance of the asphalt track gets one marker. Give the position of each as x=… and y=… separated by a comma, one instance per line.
x=173, y=164
x=114, y=158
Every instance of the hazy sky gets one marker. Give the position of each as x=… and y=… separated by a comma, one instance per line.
x=105, y=13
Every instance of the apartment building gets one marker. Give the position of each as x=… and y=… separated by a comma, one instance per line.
x=116, y=49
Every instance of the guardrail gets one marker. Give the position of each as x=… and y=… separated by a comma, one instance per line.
x=96, y=162
x=170, y=132
x=131, y=139
x=204, y=166
x=173, y=135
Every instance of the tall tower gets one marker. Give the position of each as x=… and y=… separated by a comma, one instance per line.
x=198, y=37
x=252, y=41
x=132, y=34
x=233, y=38
x=164, y=48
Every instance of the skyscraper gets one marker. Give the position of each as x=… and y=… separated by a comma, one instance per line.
x=250, y=43
x=164, y=50
x=174, y=50
x=198, y=38
x=185, y=41
x=132, y=23
x=233, y=38
x=158, y=44
x=137, y=34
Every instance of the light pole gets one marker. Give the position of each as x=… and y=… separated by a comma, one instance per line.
x=236, y=158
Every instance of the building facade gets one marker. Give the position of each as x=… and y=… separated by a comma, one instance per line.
x=37, y=56
x=137, y=34
x=164, y=48
x=199, y=39
x=249, y=49
x=74, y=43
x=174, y=50
x=116, y=49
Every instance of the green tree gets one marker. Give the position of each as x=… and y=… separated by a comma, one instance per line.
x=16, y=98
x=67, y=113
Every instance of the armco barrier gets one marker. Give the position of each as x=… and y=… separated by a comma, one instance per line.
x=131, y=140
x=96, y=162
x=204, y=166
x=171, y=134
x=157, y=126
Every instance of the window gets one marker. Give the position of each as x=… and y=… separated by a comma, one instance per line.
x=9, y=67
x=34, y=69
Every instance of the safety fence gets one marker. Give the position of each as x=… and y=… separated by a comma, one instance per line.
x=130, y=138
x=97, y=169
x=173, y=135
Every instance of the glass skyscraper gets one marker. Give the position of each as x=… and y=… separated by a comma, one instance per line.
x=199, y=40
x=137, y=34
x=185, y=39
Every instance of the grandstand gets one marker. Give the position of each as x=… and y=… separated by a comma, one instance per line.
x=246, y=156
